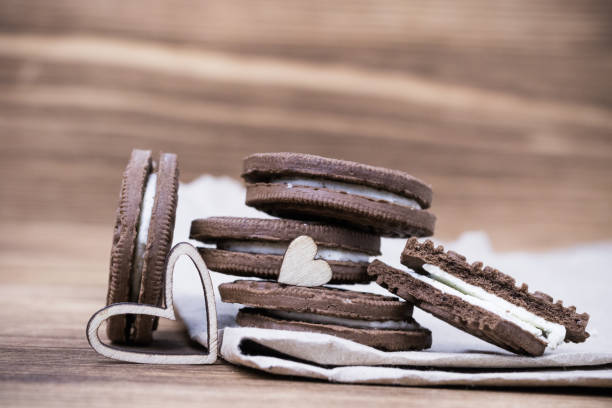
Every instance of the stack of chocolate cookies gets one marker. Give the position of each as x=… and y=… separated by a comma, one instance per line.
x=344, y=207
x=333, y=213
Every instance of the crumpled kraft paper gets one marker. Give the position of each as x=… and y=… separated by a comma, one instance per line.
x=580, y=275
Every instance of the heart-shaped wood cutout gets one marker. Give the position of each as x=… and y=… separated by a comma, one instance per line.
x=168, y=313
x=299, y=266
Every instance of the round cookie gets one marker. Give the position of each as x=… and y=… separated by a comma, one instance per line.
x=481, y=301
x=255, y=246
x=378, y=321
x=124, y=238
x=374, y=199
x=319, y=300
x=141, y=241
x=382, y=339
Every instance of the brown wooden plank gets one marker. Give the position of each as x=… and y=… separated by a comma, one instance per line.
x=551, y=48
x=519, y=165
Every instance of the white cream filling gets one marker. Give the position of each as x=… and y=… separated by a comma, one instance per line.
x=551, y=333
x=279, y=248
x=358, y=324
x=146, y=211
x=356, y=189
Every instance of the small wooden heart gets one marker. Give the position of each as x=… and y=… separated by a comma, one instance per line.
x=299, y=266
x=168, y=312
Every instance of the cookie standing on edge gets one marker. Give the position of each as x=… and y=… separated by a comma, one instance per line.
x=481, y=301
x=374, y=199
x=141, y=241
x=255, y=246
x=378, y=321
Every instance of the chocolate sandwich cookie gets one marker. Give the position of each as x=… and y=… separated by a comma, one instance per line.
x=255, y=246
x=141, y=241
x=481, y=301
x=378, y=321
x=374, y=199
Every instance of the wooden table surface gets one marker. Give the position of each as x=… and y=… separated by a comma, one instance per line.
x=505, y=108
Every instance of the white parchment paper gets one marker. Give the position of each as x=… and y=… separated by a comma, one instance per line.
x=579, y=275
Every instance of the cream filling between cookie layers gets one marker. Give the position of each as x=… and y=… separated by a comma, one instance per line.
x=355, y=189
x=340, y=321
x=144, y=220
x=551, y=333
x=279, y=248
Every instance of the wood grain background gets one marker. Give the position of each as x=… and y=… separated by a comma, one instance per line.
x=504, y=107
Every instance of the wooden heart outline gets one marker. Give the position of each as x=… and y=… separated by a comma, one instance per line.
x=167, y=312
x=301, y=254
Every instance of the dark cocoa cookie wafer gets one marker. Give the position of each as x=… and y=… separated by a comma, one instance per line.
x=348, y=314
x=268, y=266
x=218, y=229
x=383, y=201
x=264, y=167
x=383, y=339
x=416, y=254
x=255, y=246
x=457, y=312
x=319, y=300
x=482, y=302
x=124, y=238
x=141, y=241
x=159, y=243
x=338, y=207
